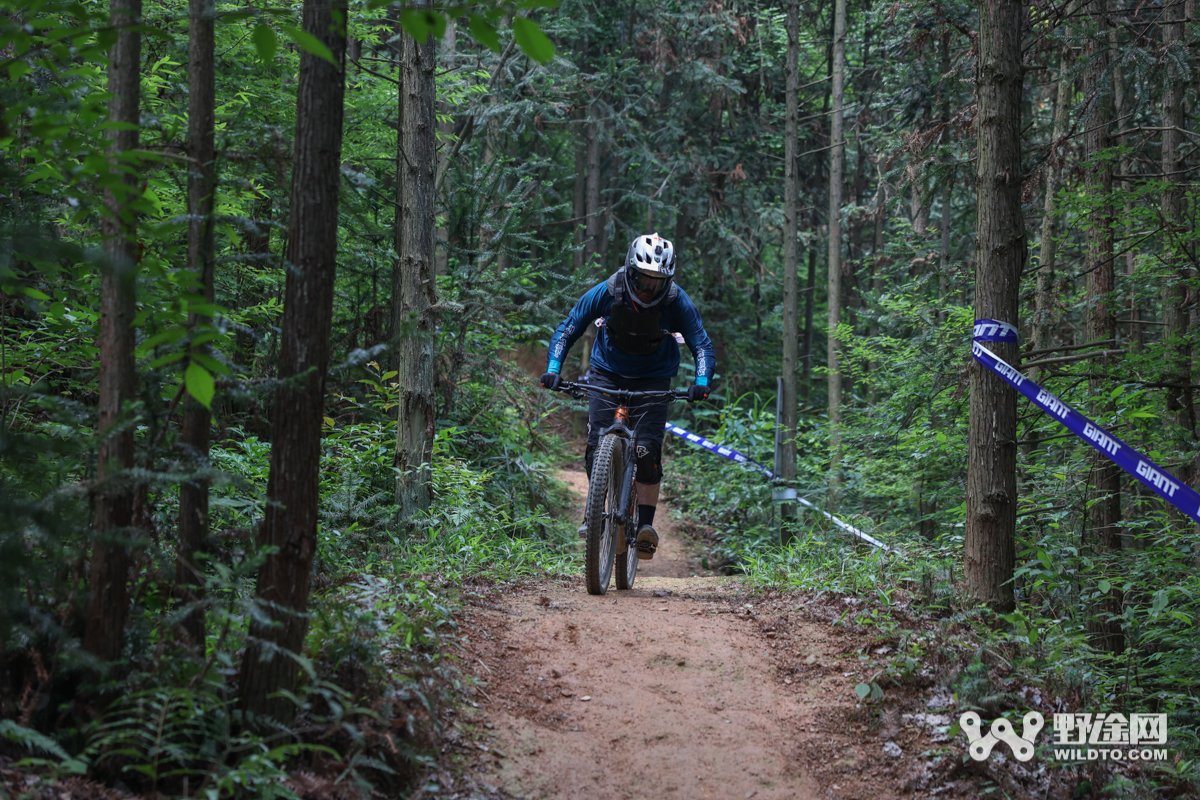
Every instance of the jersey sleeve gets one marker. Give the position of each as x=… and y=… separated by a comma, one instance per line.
x=595, y=303
x=692, y=328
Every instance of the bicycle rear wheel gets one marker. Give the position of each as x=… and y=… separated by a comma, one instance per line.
x=603, y=496
x=627, y=561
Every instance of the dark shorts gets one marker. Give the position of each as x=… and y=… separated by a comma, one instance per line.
x=647, y=417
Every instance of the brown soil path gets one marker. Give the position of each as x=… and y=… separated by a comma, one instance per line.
x=683, y=687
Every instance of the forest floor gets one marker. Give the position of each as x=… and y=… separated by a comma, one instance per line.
x=685, y=687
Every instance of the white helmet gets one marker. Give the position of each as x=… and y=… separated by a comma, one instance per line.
x=649, y=269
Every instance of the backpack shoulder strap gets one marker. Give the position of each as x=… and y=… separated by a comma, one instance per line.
x=616, y=286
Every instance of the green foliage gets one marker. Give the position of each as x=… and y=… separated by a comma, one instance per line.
x=686, y=102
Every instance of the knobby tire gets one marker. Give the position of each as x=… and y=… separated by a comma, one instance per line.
x=603, y=495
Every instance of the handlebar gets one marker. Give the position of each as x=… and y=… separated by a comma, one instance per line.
x=581, y=390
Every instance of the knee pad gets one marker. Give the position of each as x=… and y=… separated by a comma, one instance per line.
x=589, y=456
x=649, y=461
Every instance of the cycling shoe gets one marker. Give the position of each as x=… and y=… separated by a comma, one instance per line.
x=647, y=542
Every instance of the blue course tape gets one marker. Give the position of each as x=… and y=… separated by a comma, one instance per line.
x=735, y=456
x=1163, y=483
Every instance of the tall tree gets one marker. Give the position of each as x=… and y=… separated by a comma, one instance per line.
x=269, y=666
x=193, y=437
x=594, y=231
x=990, y=549
x=837, y=148
x=1044, y=299
x=445, y=129
x=1175, y=290
x=109, y=577
x=415, y=290
x=791, y=229
x=946, y=219
x=1105, y=508
x=791, y=179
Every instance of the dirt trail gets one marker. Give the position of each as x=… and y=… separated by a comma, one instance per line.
x=682, y=687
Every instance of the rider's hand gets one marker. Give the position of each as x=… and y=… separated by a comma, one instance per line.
x=552, y=380
x=697, y=392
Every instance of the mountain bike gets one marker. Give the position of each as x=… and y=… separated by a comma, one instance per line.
x=611, y=514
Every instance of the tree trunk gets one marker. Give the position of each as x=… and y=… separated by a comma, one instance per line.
x=290, y=525
x=1044, y=314
x=415, y=292
x=946, y=218
x=109, y=578
x=877, y=243
x=580, y=197
x=791, y=191
x=193, y=438
x=441, y=260
x=810, y=289
x=1000, y=256
x=814, y=225
x=1128, y=165
x=1105, y=510
x=836, y=156
x=593, y=232
x=1175, y=293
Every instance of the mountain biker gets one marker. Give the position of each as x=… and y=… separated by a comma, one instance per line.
x=636, y=309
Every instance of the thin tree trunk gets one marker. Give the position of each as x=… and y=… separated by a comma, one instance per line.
x=810, y=289
x=1128, y=165
x=877, y=242
x=1044, y=315
x=791, y=191
x=277, y=634
x=836, y=157
x=1105, y=512
x=441, y=260
x=989, y=549
x=193, y=438
x=947, y=186
x=415, y=291
x=593, y=232
x=1175, y=293
x=814, y=224
x=580, y=199
x=109, y=574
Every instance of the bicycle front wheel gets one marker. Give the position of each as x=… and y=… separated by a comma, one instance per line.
x=608, y=469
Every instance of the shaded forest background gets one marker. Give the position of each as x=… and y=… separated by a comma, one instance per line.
x=139, y=638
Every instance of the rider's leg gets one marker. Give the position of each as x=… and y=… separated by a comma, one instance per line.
x=649, y=475
x=647, y=480
x=647, y=497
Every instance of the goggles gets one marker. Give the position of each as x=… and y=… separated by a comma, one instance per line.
x=651, y=284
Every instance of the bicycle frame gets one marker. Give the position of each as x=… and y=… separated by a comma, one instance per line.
x=610, y=515
x=620, y=427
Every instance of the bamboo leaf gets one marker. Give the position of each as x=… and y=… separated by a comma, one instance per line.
x=532, y=41
x=266, y=42
x=484, y=32
x=199, y=384
x=309, y=43
x=421, y=24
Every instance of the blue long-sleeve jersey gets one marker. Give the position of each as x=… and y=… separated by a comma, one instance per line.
x=680, y=315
